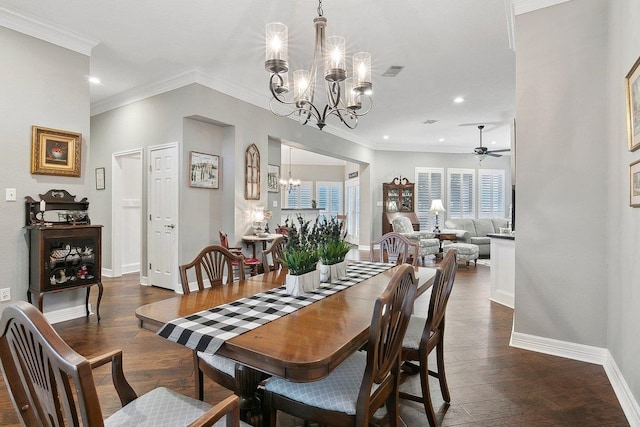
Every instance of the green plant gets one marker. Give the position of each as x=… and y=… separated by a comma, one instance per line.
x=301, y=250
x=331, y=246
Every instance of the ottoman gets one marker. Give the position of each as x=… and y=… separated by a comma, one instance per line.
x=466, y=251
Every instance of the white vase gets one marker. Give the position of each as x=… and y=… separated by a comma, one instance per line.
x=329, y=273
x=338, y=270
x=303, y=283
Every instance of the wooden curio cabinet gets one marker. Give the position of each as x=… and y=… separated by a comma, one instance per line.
x=65, y=250
x=398, y=198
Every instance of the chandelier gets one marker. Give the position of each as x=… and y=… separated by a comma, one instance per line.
x=344, y=94
x=289, y=184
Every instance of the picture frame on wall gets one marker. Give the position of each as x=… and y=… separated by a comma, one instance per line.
x=252, y=173
x=204, y=170
x=55, y=152
x=273, y=178
x=634, y=184
x=633, y=106
x=100, y=184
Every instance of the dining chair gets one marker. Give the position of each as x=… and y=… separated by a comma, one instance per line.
x=273, y=255
x=216, y=262
x=52, y=385
x=397, y=248
x=249, y=263
x=365, y=381
x=425, y=335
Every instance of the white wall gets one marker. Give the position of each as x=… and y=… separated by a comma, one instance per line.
x=44, y=85
x=623, y=222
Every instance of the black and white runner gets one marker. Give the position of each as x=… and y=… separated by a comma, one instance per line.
x=209, y=329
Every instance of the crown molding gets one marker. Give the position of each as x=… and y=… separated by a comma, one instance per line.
x=48, y=32
x=525, y=6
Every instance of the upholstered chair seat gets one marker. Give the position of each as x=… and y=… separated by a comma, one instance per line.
x=428, y=245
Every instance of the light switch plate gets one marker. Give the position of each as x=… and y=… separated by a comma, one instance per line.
x=275, y=203
x=10, y=194
x=379, y=203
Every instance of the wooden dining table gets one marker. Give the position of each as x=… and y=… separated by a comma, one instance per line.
x=305, y=345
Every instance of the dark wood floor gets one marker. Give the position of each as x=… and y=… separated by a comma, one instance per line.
x=491, y=383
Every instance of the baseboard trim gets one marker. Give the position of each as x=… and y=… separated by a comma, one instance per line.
x=107, y=272
x=583, y=353
x=589, y=354
x=629, y=404
x=69, y=313
x=131, y=268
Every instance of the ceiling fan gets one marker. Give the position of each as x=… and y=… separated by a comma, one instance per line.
x=484, y=151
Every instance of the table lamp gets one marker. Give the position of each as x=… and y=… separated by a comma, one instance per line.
x=257, y=215
x=436, y=206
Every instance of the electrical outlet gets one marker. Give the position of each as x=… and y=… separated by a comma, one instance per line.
x=5, y=294
x=10, y=194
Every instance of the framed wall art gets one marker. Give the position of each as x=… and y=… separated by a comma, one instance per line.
x=100, y=184
x=634, y=184
x=633, y=106
x=273, y=178
x=55, y=152
x=204, y=170
x=252, y=173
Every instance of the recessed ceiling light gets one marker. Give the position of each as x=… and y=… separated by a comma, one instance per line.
x=494, y=142
x=385, y=137
x=94, y=80
x=458, y=99
x=441, y=140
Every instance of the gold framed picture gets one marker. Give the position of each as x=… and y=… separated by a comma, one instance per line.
x=633, y=106
x=634, y=184
x=55, y=152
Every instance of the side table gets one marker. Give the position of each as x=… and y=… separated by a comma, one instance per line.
x=445, y=236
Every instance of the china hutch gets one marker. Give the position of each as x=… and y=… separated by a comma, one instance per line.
x=65, y=250
x=398, y=199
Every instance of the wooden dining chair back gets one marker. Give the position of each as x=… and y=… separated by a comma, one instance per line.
x=250, y=263
x=343, y=225
x=213, y=266
x=273, y=255
x=52, y=385
x=347, y=397
x=394, y=248
x=424, y=335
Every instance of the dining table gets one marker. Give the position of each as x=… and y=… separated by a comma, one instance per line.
x=304, y=345
x=250, y=240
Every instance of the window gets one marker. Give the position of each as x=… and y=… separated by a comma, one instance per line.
x=429, y=186
x=461, y=193
x=329, y=197
x=491, y=193
x=300, y=197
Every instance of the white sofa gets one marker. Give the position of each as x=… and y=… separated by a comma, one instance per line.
x=475, y=231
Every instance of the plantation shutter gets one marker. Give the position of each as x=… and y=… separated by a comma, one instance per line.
x=329, y=197
x=461, y=193
x=491, y=197
x=429, y=186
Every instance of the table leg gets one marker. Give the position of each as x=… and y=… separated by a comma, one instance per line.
x=247, y=381
x=253, y=246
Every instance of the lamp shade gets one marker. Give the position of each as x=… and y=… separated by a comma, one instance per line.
x=436, y=206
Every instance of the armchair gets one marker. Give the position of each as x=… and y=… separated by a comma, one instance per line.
x=428, y=245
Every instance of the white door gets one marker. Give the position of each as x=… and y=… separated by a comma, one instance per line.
x=353, y=210
x=162, y=210
x=126, y=214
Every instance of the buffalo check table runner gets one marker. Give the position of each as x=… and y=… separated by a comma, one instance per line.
x=207, y=330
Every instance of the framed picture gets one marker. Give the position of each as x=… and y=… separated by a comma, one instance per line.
x=273, y=178
x=55, y=152
x=634, y=184
x=252, y=173
x=633, y=106
x=100, y=179
x=204, y=170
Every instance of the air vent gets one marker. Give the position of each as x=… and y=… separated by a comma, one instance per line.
x=393, y=71
x=429, y=122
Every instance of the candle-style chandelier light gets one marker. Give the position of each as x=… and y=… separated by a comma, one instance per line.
x=289, y=184
x=344, y=93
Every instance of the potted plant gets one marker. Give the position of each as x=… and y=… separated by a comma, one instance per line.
x=332, y=249
x=300, y=256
